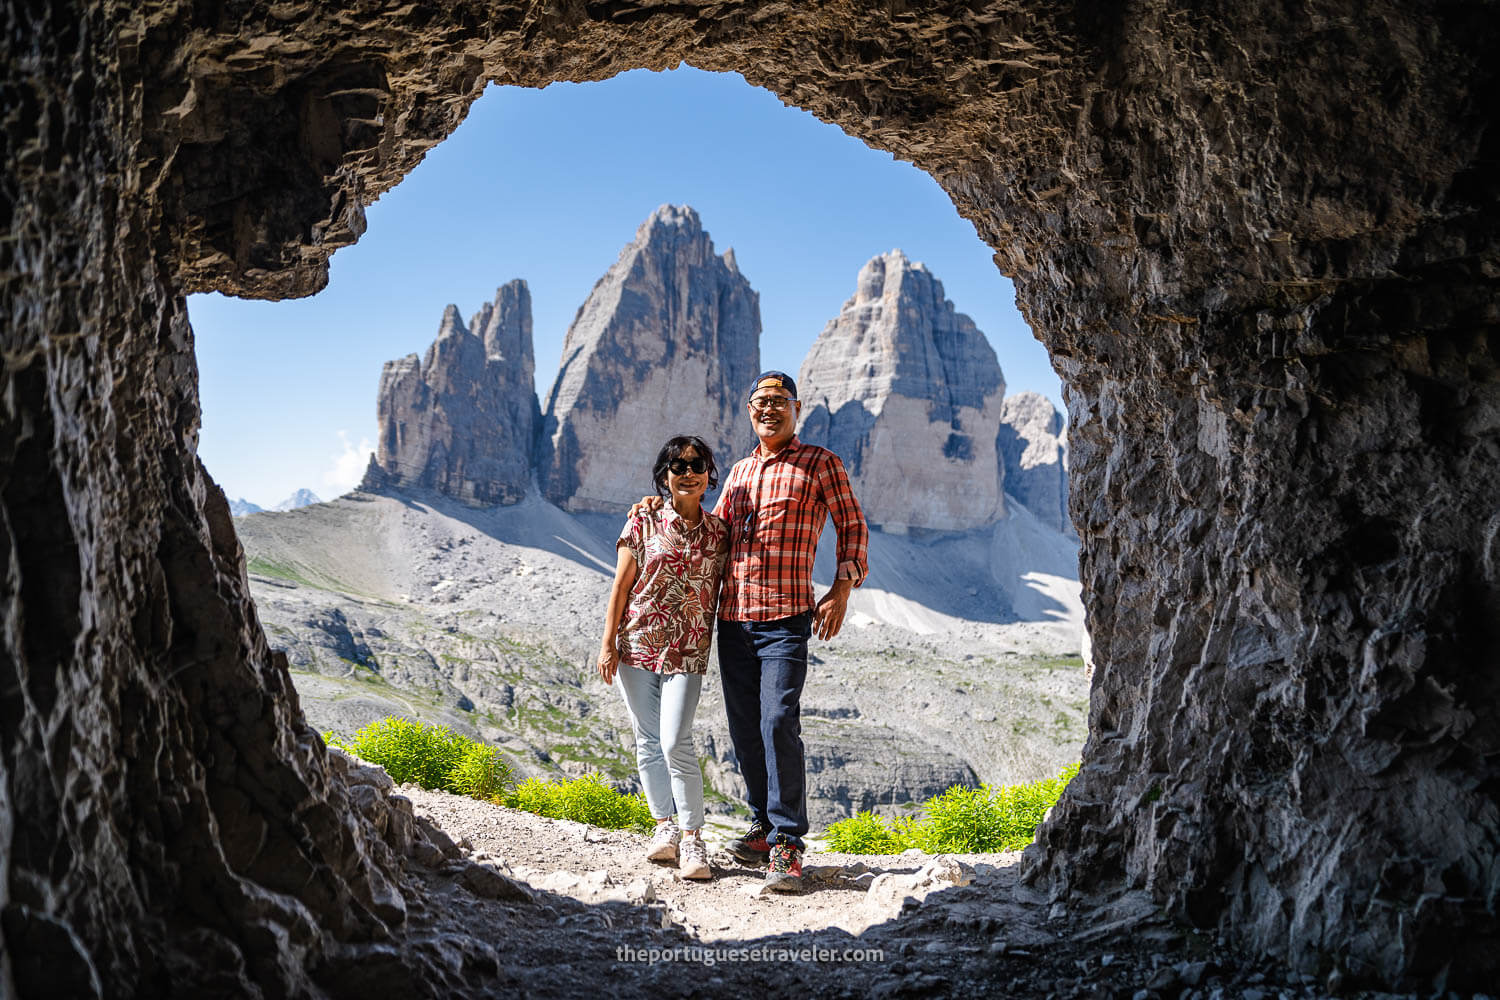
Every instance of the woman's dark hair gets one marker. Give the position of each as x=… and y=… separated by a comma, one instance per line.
x=673, y=449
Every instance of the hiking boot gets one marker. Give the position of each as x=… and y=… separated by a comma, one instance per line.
x=752, y=848
x=784, y=873
x=663, y=846
x=693, y=859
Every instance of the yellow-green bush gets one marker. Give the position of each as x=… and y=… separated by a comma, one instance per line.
x=433, y=757
x=587, y=799
x=960, y=820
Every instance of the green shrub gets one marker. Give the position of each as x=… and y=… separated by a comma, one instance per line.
x=864, y=833
x=433, y=757
x=960, y=820
x=535, y=796
x=481, y=773
x=587, y=800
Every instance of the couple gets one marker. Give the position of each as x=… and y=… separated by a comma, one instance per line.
x=751, y=559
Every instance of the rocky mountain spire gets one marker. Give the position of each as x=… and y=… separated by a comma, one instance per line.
x=667, y=343
x=1032, y=445
x=462, y=420
x=907, y=392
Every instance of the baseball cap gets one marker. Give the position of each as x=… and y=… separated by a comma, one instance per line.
x=774, y=380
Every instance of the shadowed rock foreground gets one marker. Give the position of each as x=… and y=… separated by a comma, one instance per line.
x=1258, y=239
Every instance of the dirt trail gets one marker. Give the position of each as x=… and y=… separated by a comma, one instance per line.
x=602, y=920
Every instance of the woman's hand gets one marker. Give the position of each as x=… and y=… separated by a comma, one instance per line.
x=609, y=664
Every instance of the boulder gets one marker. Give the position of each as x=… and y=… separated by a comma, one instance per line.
x=667, y=343
x=907, y=392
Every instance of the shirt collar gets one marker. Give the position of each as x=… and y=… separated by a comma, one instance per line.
x=669, y=516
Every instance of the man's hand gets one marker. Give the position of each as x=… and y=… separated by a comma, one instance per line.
x=828, y=616
x=609, y=665
x=646, y=504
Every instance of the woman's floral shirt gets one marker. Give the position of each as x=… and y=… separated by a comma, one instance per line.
x=668, y=623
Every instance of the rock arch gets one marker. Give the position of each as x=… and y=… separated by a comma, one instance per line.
x=1259, y=240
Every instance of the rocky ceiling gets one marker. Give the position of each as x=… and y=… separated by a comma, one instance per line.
x=1258, y=238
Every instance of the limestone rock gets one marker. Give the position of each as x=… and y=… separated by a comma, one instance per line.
x=1258, y=239
x=667, y=343
x=1033, y=446
x=889, y=891
x=907, y=392
x=849, y=767
x=487, y=882
x=461, y=421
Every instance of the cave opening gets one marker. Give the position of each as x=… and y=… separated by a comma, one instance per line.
x=1259, y=242
x=507, y=196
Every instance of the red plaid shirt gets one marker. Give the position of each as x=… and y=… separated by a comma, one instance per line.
x=776, y=506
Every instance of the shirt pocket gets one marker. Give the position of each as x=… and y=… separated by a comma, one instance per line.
x=787, y=508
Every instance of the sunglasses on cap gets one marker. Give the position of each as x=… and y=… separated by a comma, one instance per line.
x=679, y=466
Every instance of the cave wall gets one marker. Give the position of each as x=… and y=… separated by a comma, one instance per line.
x=1258, y=239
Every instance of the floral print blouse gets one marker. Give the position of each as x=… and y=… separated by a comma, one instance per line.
x=667, y=626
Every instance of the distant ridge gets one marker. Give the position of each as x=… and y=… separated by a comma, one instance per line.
x=301, y=498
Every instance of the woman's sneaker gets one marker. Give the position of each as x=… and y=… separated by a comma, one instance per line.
x=784, y=873
x=693, y=859
x=663, y=846
x=752, y=848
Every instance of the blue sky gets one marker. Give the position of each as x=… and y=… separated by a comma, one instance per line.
x=548, y=185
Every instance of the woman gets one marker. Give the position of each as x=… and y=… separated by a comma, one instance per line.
x=657, y=631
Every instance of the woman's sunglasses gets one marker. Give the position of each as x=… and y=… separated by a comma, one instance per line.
x=679, y=466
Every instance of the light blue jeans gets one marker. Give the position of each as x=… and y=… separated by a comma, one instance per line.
x=661, y=708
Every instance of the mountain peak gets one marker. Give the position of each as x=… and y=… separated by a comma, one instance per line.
x=462, y=421
x=666, y=344
x=301, y=498
x=683, y=217
x=907, y=391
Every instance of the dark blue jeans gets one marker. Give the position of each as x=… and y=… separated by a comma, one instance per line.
x=763, y=666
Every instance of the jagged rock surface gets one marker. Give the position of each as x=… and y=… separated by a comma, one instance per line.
x=1260, y=242
x=907, y=392
x=667, y=343
x=1033, y=449
x=462, y=420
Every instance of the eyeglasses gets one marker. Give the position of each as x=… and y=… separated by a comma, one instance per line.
x=764, y=403
x=679, y=466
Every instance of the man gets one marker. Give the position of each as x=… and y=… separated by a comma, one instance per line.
x=775, y=502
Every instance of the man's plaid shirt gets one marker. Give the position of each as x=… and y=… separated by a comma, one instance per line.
x=776, y=507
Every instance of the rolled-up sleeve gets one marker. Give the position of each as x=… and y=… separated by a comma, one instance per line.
x=848, y=520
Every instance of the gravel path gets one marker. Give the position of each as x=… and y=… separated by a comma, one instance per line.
x=604, y=921
x=592, y=865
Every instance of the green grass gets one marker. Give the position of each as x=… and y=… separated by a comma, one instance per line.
x=615, y=762
x=1059, y=662
x=961, y=820
x=281, y=571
